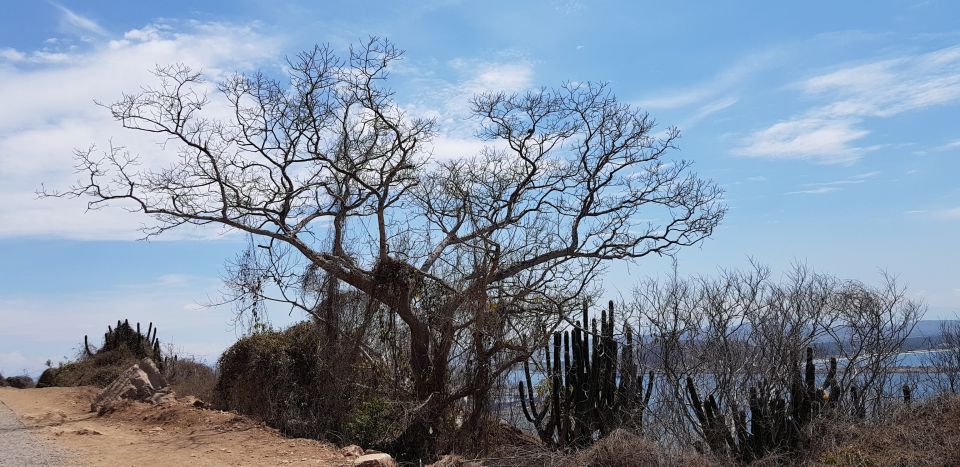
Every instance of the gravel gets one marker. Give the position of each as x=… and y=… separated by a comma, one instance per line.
x=20, y=446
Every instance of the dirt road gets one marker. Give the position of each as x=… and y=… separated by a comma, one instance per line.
x=56, y=427
x=20, y=445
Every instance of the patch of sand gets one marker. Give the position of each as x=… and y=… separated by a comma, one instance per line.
x=143, y=434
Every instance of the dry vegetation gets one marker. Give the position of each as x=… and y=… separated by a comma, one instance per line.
x=428, y=284
x=927, y=434
x=122, y=347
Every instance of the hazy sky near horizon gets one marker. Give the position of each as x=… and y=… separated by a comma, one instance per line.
x=832, y=126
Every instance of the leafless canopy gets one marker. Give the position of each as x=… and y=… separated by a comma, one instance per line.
x=325, y=166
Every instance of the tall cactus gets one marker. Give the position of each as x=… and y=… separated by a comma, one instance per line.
x=594, y=388
x=775, y=423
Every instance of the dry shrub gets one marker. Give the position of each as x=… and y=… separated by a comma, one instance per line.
x=619, y=449
x=927, y=434
x=19, y=382
x=189, y=377
x=122, y=347
x=295, y=381
x=625, y=449
x=98, y=370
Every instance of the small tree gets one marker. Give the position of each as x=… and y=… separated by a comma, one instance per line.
x=469, y=253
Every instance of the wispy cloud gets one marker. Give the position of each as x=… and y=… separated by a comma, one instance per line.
x=832, y=132
x=941, y=214
x=951, y=146
x=817, y=139
x=448, y=99
x=819, y=188
x=715, y=94
x=814, y=191
x=73, y=21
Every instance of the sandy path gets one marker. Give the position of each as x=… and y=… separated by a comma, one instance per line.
x=20, y=445
x=59, y=424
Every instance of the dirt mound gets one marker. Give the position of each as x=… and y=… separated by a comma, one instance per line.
x=138, y=433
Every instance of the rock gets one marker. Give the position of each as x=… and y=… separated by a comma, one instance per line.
x=156, y=379
x=451, y=460
x=20, y=382
x=163, y=396
x=47, y=378
x=141, y=382
x=352, y=451
x=197, y=403
x=375, y=460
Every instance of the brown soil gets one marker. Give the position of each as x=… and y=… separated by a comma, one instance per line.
x=143, y=434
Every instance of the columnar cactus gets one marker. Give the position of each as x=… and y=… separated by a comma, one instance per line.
x=126, y=337
x=775, y=423
x=593, y=389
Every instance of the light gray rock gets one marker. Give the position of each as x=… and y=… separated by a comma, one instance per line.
x=141, y=382
x=375, y=460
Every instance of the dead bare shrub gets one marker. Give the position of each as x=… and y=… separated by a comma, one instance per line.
x=189, y=377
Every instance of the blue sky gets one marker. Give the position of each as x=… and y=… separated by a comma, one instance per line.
x=833, y=127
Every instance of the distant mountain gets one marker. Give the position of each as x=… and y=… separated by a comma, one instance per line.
x=926, y=334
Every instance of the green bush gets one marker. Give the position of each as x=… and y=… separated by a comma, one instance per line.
x=370, y=423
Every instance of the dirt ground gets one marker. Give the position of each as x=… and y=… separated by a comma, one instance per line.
x=143, y=434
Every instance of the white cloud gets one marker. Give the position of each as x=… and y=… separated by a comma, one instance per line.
x=12, y=55
x=942, y=214
x=49, y=110
x=831, y=131
x=73, y=21
x=448, y=101
x=820, y=188
x=953, y=145
x=819, y=140
x=721, y=88
x=452, y=147
x=814, y=191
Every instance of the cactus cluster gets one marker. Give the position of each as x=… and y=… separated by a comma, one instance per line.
x=775, y=423
x=132, y=339
x=592, y=388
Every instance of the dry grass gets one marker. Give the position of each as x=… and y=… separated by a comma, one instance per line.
x=927, y=434
x=620, y=449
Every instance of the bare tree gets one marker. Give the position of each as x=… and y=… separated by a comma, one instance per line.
x=872, y=325
x=743, y=331
x=943, y=359
x=467, y=253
